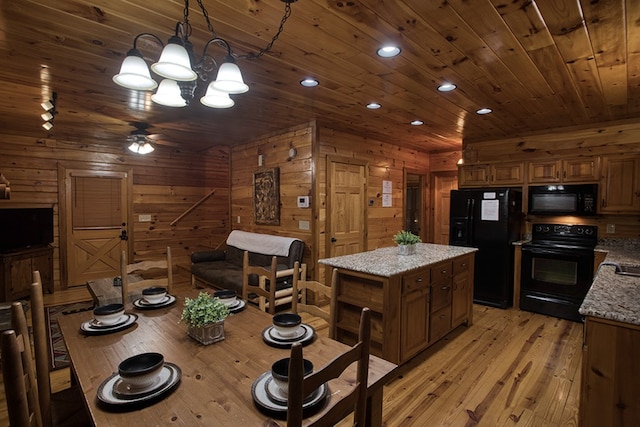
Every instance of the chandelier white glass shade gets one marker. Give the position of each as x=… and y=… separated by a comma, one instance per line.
x=178, y=64
x=215, y=98
x=168, y=94
x=134, y=73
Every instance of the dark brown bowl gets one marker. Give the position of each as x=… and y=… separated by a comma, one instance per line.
x=280, y=369
x=142, y=369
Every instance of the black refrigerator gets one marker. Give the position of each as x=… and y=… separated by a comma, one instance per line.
x=488, y=219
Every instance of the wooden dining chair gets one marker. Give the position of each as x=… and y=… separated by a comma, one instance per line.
x=65, y=407
x=266, y=293
x=354, y=401
x=21, y=386
x=21, y=397
x=133, y=290
x=321, y=292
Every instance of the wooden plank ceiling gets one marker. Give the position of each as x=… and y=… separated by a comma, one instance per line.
x=538, y=64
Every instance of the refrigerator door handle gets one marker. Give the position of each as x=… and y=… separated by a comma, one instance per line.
x=470, y=209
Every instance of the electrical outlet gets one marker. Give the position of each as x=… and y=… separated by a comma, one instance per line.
x=611, y=228
x=144, y=218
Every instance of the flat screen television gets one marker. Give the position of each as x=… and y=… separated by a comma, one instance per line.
x=22, y=228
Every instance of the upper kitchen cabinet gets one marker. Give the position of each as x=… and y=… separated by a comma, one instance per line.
x=581, y=169
x=620, y=184
x=498, y=174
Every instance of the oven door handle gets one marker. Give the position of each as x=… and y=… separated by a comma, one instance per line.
x=540, y=251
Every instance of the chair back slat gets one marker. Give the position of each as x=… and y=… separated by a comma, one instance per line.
x=301, y=288
x=267, y=296
x=41, y=350
x=127, y=269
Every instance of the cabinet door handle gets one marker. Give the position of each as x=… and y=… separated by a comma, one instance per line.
x=445, y=288
x=419, y=280
x=443, y=272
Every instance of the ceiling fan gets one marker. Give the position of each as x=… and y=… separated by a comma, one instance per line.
x=140, y=139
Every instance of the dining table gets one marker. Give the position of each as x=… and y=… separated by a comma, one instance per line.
x=216, y=380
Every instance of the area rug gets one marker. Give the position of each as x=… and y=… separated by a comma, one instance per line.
x=58, y=354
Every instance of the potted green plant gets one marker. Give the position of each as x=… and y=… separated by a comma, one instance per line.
x=406, y=242
x=204, y=317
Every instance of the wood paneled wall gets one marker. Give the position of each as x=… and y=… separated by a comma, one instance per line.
x=613, y=138
x=296, y=179
x=165, y=184
x=385, y=162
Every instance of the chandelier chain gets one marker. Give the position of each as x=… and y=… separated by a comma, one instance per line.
x=267, y=48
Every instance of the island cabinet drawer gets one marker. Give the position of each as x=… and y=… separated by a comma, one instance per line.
x=440, y=295
x=440, y=323
x=442, y=271
x=460, y=265
x=416, y=280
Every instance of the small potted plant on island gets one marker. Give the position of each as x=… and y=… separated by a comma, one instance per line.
x=204, y=317
x=406, y=242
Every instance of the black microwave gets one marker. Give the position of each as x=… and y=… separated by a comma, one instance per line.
x=559, y=199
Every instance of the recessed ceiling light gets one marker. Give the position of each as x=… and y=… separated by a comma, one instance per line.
x=484, y=111
x=447, y=87
x=417, y=123
x=388, y=51
x=373, y=106
x=309, y=82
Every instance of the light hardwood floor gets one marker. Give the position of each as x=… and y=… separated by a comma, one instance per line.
x=510, y=368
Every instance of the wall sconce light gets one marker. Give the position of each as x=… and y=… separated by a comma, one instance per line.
x=50, y=111
x=292, y=152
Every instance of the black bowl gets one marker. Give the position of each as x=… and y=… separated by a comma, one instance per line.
x=287, y=320
x=107, y=309
x=154, y=291
x=280, y=369
x=225, y=294
x=142, y=369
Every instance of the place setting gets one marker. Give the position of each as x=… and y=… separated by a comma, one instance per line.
x=154, y=298
x=230, y=298
x=287, y=329
x=270, y=390
x=141, y=380
x=107, y=319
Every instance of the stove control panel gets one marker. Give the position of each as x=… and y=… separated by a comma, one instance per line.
x=563, y=234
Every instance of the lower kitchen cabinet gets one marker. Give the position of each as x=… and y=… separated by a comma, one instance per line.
x=410, y=311
x=610, y=386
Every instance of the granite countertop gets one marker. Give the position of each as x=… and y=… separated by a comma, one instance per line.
x=614, y=296
x=386, y=262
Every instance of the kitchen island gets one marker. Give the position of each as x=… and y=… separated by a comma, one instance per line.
x=415, y=300
x=611, y=348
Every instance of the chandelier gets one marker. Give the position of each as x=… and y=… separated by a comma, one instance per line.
x=180, y=69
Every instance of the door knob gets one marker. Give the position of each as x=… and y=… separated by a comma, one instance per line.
x=123, y=235
x=333, y=240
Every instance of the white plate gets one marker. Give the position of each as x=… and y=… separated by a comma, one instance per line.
x=296, y=335
x=144, y=305
x=306, y=338
x=238, y=307
x=162, y=301
x=106, y=392
x=96, y=324
x=279, y=409
x=275, y=395
x=88, y=329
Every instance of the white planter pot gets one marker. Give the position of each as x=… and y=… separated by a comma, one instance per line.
x=207, y=334
x=406, y=249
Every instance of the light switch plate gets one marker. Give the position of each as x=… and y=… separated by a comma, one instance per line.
x=303, y=225
x=144, y=218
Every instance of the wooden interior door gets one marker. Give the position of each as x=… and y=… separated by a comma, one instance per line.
x=346, y=208
x=96, y=224
x=442, y=184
